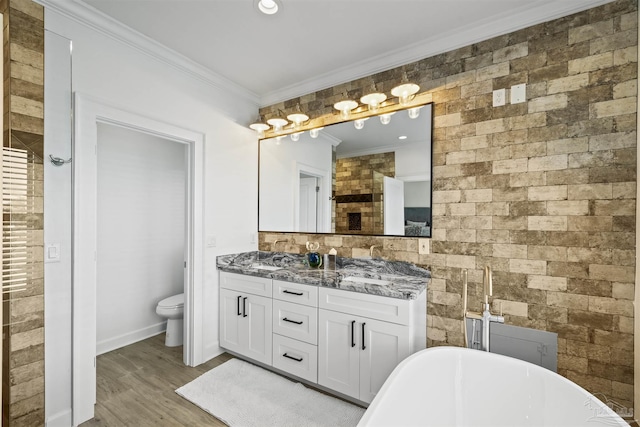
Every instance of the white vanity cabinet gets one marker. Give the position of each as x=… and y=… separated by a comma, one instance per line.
x=363, y=337
x=245, y=316
x=344, y=341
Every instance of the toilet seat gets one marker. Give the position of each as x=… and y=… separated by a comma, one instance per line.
x=175, y=301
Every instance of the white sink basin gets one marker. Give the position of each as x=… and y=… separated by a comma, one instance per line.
x=265, y=267
x=367, y=280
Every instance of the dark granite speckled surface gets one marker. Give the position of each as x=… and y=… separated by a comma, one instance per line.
x=403, y=280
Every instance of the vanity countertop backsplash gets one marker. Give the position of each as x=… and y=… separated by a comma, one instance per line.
x=395, y=279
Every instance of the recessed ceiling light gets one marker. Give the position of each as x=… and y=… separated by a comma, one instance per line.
x=402, y=137
x=268, y=7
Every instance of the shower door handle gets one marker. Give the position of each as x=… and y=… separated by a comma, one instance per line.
x=244, y=307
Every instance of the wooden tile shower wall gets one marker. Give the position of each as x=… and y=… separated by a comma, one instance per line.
x=23, y=323
x=543, y=191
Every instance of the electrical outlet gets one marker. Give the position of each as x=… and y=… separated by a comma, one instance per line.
x=499, y=97
x=212, y=241
x=424, y=246
x=518, y=93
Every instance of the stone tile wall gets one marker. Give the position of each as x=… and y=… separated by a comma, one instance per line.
x=23, y=312
x=543, y=191
x=355, y=176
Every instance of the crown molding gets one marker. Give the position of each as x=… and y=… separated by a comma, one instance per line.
x=527, y=16
x=92, y=18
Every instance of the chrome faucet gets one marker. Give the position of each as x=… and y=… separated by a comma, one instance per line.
x=275, y=242
x=487, y=317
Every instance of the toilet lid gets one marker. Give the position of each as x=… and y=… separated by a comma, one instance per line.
x=173, y=301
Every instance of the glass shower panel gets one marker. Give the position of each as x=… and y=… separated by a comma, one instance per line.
x=58, y=144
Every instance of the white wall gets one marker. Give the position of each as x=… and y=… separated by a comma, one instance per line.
x=417, y=194
x=278, y=177
x=123, y=76
x=141, y=232
x=413, y=161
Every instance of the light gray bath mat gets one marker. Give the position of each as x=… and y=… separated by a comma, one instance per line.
x=244, y=395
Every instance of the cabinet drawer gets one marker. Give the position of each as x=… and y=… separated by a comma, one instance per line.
x=372, y=306
x=295, y=292
x=295, y=321
x=249, y=284
x=295, y=357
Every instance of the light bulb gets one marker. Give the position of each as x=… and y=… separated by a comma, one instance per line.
x=359, y=124
x=385, y=119
x=277, y=124
x=405, y=92
x=414, y=112
x=315, y=132
x=298, y=119
x=259, y=128
x=296, y=136
x=345, y=108
x=373, y=100
x=268, y=7
x=279, y=139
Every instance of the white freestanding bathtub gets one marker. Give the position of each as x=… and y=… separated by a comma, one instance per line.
x=452, y=386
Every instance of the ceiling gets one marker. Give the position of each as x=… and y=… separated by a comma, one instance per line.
x=314, y=44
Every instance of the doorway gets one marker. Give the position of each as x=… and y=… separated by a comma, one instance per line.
x=311, y=201
x=89, y=115
x=309, y=188
x=141, y=232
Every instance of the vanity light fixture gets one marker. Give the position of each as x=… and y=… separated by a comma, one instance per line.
x=260, y=128
x=385, y=119
x=313, y=133
x=298, y=119
x=345, y=107
x=373, y=100
x=277, y=124
x=296, y=136
x=405, y=92
x=268, y=7
x=414, y=112
x=359, y=124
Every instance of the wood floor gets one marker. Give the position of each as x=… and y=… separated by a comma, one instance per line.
x=136, y=387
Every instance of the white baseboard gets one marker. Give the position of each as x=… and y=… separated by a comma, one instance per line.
x=123, y=340
x=61, y=419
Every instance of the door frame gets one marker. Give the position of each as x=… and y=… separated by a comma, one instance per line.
x=88, y=112
x=323, y=208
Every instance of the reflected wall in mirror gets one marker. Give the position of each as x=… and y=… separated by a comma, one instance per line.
x=358, y=177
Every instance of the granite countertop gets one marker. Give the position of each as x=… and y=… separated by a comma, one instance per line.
x=394, y=279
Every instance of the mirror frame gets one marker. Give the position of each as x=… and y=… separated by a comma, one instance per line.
x=359, y=113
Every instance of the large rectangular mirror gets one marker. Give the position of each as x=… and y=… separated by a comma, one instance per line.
x=364, y=178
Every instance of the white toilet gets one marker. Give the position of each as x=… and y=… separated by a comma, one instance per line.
x=172, y=308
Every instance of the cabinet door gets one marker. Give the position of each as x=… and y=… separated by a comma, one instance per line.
x=230, y=320
x=258, y=323
x=338, y=352
x=385, y=346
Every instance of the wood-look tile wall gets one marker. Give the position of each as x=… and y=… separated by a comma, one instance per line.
x=543, y=191
x=23, y=323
